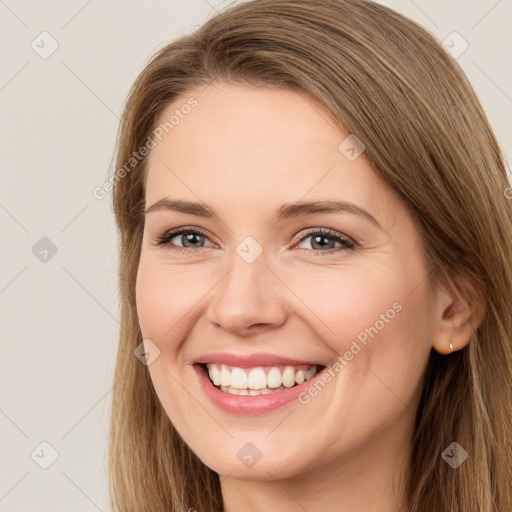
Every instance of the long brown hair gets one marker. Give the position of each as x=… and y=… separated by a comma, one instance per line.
x=389, y=82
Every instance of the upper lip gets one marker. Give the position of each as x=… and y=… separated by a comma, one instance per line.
x=251, y=360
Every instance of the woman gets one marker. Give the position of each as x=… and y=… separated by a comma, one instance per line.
x=315, y=241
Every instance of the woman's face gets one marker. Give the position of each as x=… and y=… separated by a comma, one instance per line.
x=262, y=290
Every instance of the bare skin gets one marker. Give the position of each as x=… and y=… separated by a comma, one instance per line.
x=245, y=151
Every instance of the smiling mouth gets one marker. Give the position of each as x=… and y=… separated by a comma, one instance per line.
x=261, y=380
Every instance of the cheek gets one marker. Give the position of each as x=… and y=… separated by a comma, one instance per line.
x=345, y=302
x=377, y=322
x=377, y=318
x=164, y=297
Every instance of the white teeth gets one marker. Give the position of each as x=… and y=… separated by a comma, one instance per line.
x=274, y=378
x=252, y=392
x=214, y=374
x=256, y=381
x=288, y=377
x=309, y=373
x=238, y=378
x=225, y=376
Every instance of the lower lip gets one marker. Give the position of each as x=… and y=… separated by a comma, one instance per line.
x=247, y=404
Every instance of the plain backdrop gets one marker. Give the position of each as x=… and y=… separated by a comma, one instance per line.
x=58, y=274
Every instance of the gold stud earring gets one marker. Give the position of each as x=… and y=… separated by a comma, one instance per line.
x=451, y=346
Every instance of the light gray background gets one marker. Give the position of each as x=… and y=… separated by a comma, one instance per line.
x=59, y=117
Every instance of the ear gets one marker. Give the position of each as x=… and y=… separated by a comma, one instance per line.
x=459, y=311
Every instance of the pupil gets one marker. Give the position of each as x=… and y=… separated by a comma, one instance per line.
x=190, y=238
x=319, y=239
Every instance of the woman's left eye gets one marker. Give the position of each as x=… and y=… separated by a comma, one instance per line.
x=320, y=239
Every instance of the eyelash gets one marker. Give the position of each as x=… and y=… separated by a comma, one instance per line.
x=165, y=238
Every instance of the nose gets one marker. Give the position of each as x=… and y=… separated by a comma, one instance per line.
x=249, y=299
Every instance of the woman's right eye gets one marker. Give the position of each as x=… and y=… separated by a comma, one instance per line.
x=185, y=235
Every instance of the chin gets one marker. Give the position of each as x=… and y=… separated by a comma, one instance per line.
x=246, y=463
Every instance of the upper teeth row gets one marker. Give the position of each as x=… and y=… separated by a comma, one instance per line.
x=259, y=378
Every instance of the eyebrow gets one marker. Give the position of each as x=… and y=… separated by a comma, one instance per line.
x=286, y=211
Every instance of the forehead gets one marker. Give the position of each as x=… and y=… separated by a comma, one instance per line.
x=247, y=146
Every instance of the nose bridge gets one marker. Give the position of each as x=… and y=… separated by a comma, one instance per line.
x=247, y=294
